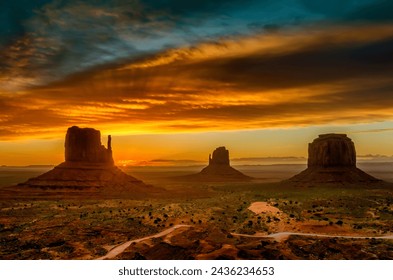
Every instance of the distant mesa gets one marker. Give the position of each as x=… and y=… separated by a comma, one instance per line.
x=220, y=157
x=332, y=159
x=219, y=169
x=88, y=167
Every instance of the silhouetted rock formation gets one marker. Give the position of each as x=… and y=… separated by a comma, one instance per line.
x=220, y=157
x=84, y=145
x=331, y=150
x=332, y=159
x=88, y=167
x=219, y=169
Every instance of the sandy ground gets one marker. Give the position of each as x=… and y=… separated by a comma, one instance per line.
x=263, y=207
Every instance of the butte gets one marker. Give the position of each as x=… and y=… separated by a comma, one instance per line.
x=219, y=169
x=88, y=168
x=332, y=159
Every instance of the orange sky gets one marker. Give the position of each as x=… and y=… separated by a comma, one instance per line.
x=265, y=94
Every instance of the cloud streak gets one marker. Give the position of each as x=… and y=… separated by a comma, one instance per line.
x=295, y=77
x=45, y=41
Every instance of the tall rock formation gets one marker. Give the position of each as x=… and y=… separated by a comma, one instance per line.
x=219, y=169
x=88, y=167
x=331, y=150
x=84, y=145
x=332, y=159
x=220, y=157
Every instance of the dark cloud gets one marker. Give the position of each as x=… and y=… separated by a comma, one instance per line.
x=377, y=11
x=352, y=10
x=315, y=64
x=332, y=8
x=67, y=37
x=12, y=17
x=186, y=8
x=61, y=38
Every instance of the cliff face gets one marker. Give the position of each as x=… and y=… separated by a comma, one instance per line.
x=332, y=150
x=332, y=159
x=84, y=145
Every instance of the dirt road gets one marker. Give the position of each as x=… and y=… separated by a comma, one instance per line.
x=120, y=249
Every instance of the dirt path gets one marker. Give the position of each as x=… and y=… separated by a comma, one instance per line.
x=120, y=249
x=279, y=236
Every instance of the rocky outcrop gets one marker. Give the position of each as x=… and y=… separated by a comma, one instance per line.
x=218, y=170
x=331, y=150
x=220, y=157
x=332, y=159
x=88, y=168
x=84, y=145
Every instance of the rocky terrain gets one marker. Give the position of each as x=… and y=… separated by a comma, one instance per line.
x=215, y=214
x=219, y=221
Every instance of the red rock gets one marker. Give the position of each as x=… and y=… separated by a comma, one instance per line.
x=88, y=168
x=331, y=150
x=332, y=159
x=84, y=145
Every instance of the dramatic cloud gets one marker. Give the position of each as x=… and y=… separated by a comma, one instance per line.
x=296, y=77
x=44, y=41
x=47, y=41
x=131, y=66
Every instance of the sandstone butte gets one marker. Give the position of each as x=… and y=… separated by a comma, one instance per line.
x=332, y=159
x=88, y=167
x=219, y=169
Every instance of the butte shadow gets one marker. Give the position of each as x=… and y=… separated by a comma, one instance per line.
x=218, y=170
x=332, y=160
x=88, y=169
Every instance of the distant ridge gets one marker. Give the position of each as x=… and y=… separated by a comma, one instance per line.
x=29, y=166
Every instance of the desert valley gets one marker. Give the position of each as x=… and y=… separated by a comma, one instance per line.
x=198, y=129
x=87, y=208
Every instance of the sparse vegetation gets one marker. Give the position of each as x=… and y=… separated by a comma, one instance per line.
x=58, y=228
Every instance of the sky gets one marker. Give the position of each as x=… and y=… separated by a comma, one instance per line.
x=173, y=79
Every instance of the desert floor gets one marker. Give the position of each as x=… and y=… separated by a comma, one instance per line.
x=261, y=219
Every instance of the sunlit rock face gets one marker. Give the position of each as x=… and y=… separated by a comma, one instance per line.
x=332, y=150
x=332, y=159
x=88, y=168
x=84, y=145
